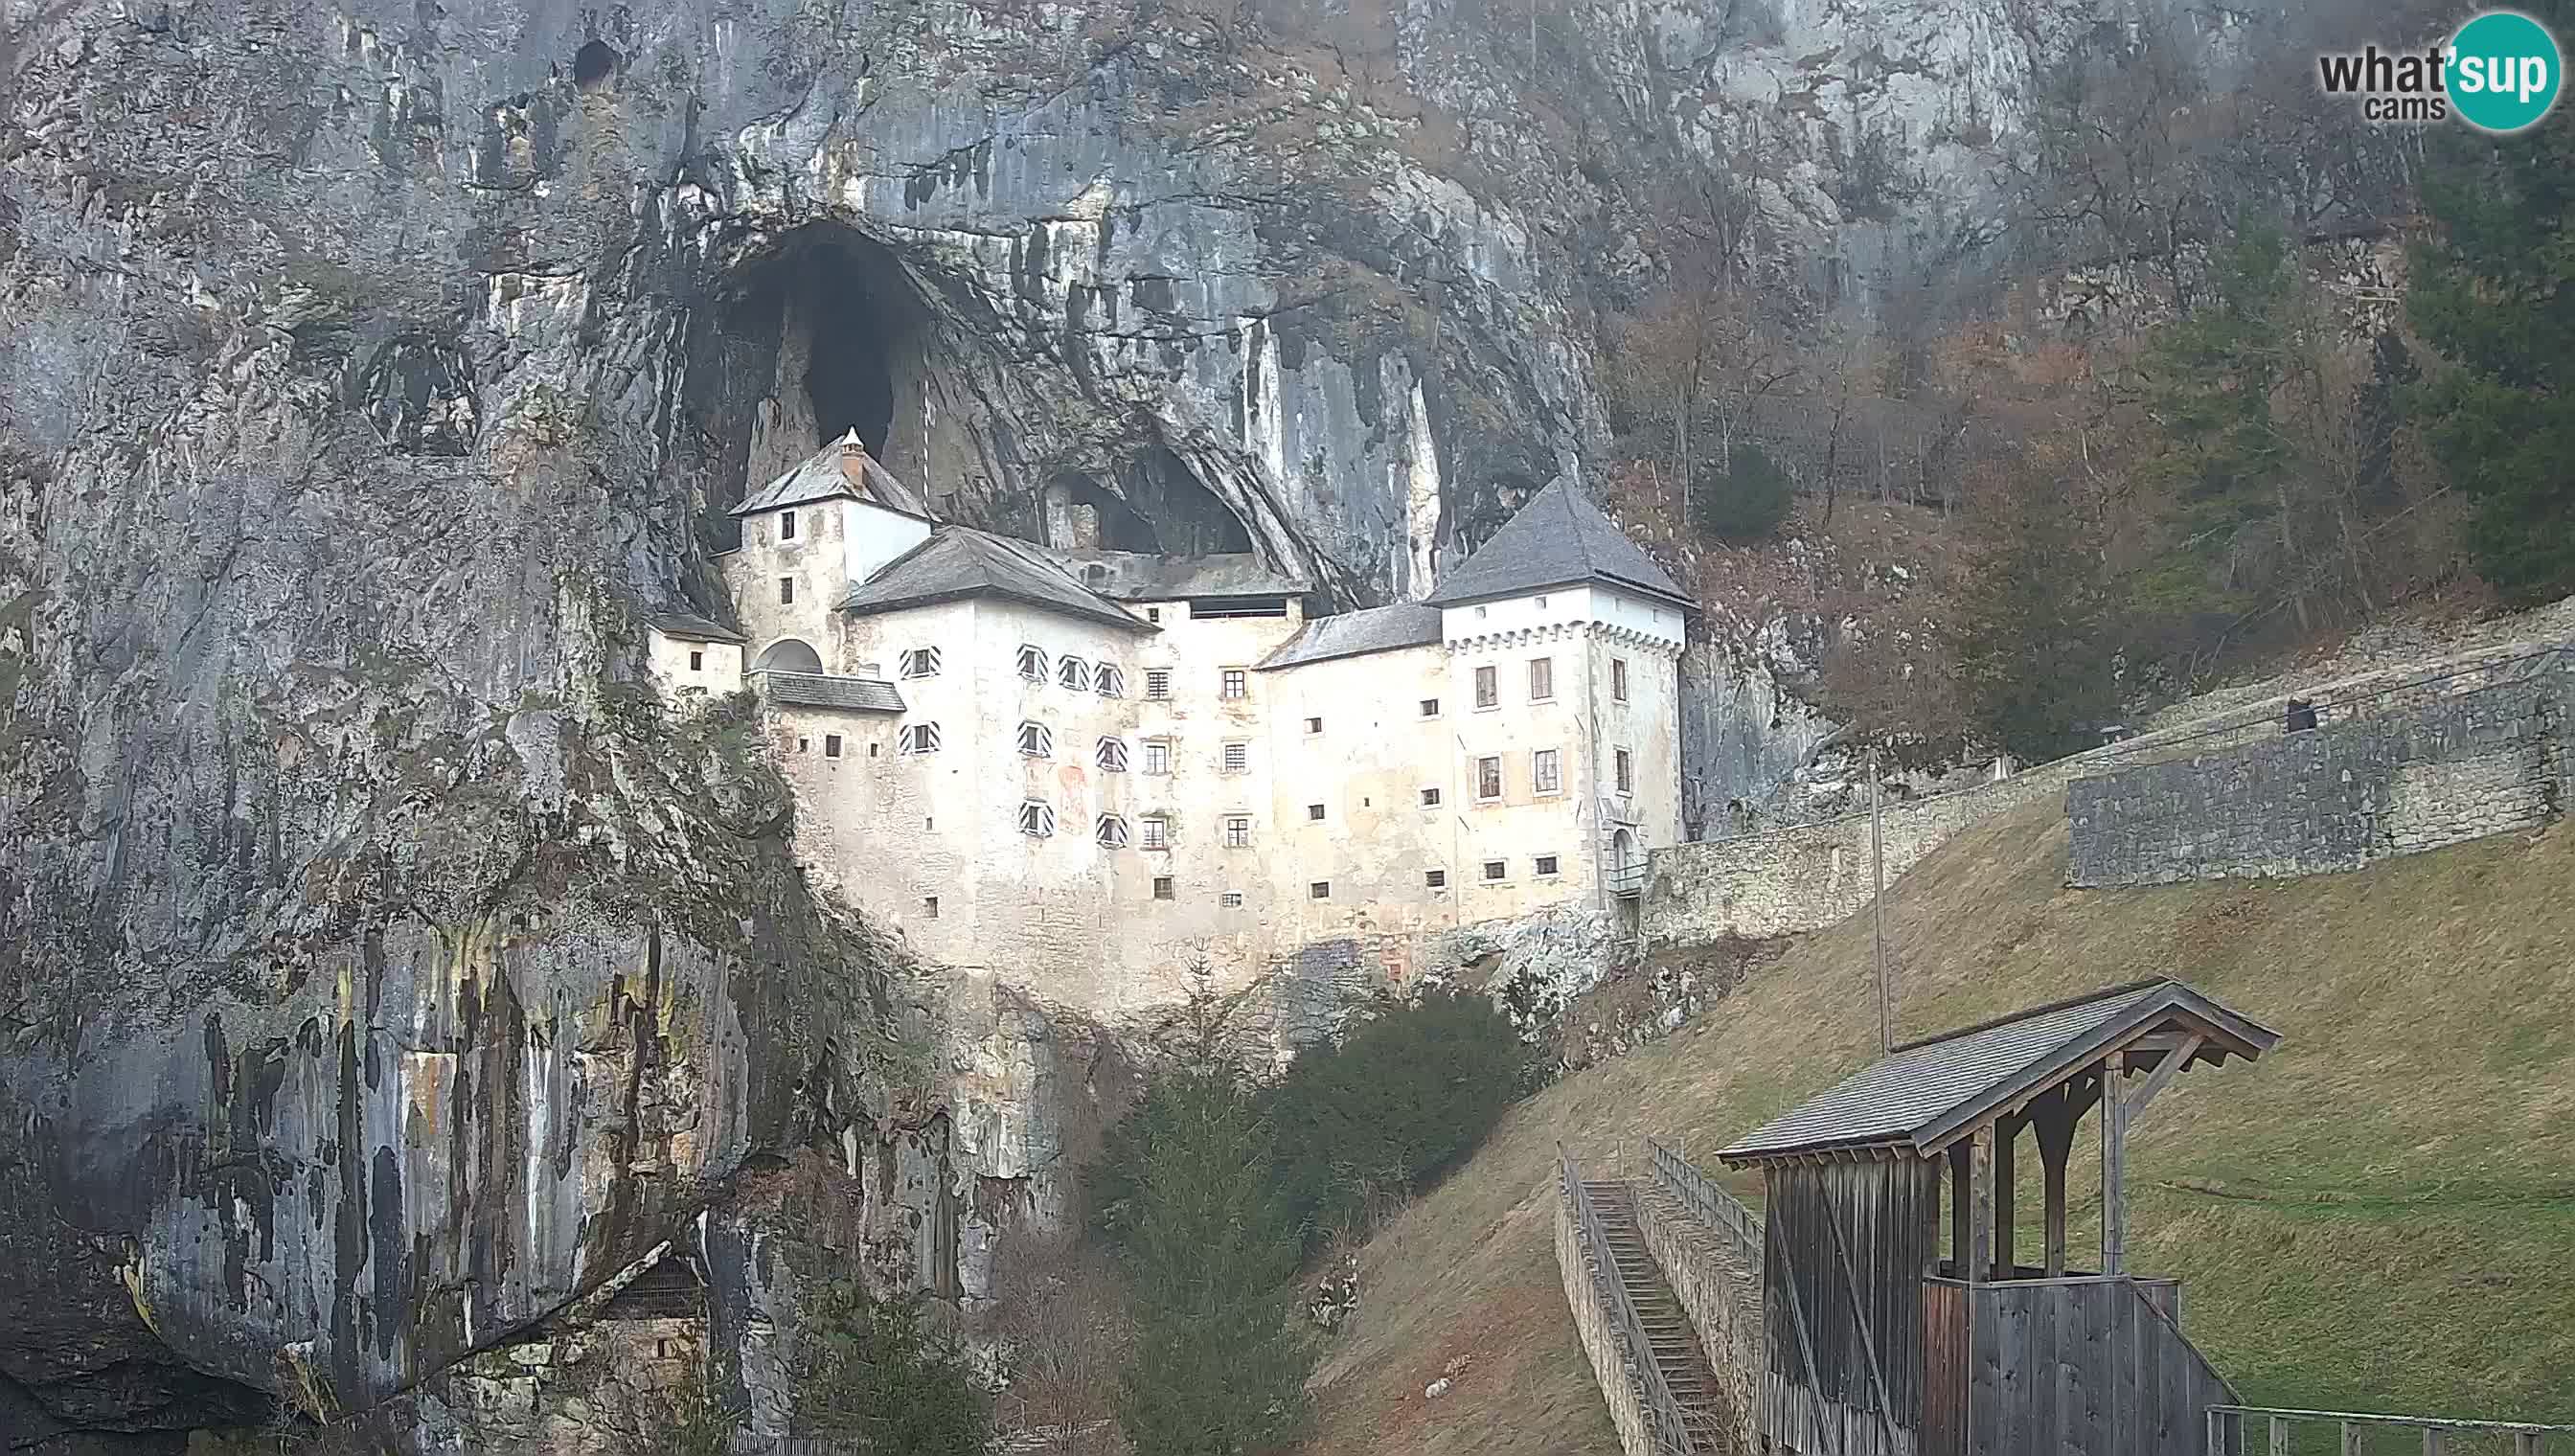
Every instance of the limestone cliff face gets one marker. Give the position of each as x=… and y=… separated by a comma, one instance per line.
x=380, y=969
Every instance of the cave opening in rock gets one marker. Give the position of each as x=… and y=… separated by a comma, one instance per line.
x=860, y=318
x=1159, y=505
x=592, y=65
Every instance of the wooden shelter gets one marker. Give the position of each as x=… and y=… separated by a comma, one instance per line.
x=1900, y=1324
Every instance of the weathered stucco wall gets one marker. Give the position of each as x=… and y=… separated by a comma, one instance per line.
x=1721, y=1294
x=2333, y=798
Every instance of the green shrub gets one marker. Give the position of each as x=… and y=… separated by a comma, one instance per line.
x=1743, y=494
x=868, y=1372
x=1401, y=1097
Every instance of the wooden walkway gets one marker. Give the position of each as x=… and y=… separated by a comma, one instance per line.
x=1675, y=1352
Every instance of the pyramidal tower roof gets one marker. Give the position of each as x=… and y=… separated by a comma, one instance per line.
x=841, y=470
x=1559, y=539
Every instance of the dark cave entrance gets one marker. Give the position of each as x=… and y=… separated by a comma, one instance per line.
x=1160, y=505
x=863, y=324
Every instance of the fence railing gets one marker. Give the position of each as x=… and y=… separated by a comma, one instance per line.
x=1662, y=1412
x=1715, y=1206
x=2232, y=1429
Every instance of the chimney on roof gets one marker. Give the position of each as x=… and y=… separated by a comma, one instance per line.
x=853, y=460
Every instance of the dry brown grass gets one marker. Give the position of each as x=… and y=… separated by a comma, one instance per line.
x=2379, y=1215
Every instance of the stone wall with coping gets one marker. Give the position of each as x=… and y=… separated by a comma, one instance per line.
x=1721, y=1295
x=2429, y=771
x=1612, y=1366
x=1815, y=876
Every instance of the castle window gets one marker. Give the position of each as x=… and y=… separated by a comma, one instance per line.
x=1541, y=603
x=1233, y=683
x=1314, y=725
x=929, y=907
x=919, y=663
x=1162, y=885
x=1541, y=679
x=785, y=526
x=1488, y=778
x=1036, y=740
x=1619, y=678
x=1110, y=680
x=1496, y=868
x=831, y=745
x=1231, y=899
x=787, y=591
x=1237, y=757
x=1110, y=832
x=1430, y=798
x=1489, y=689
x=1314, y=811
x=1320, y=890
x=1547, y=772
x=1431, y=707
x=917, y=737
x=1153, y=614
x=1626, y=770
x=1037, y=820
x=804, y=746
x=1111, y=756
x=1156, y=836
x=1547, y=864
x=1157, y=682
x=1075, y=674
x=1238, y=831
x=696, y=661
x=1434, y=878
x=1033, y=662
x=1157, y=756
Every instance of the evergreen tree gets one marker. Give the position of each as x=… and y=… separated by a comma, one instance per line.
x=1401, y=1096
x=2031, y=624
x=2494, y=291
x=870, y=1374
x=1740, y=495
x=1221, y=1364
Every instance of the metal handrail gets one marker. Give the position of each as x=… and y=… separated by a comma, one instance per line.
x=1663, y=1411
x=1713, y=1206
x=2226, y=1427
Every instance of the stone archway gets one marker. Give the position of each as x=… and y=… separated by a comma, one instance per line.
x=788, y=655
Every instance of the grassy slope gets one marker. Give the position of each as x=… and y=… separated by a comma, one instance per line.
x=2378, y=1216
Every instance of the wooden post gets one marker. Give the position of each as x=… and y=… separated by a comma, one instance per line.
x=1960, y=1200
x=2114, y=1168
x=2006, y=1133
x=2052, y=1121
x=1980, y=1216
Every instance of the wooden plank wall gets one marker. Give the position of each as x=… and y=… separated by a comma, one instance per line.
x=1846, y=1245
x=2076, y=1367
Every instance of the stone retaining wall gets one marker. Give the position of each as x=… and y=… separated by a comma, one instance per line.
x=1721, y=1298
x=1610, y=1365
x=2428, y=770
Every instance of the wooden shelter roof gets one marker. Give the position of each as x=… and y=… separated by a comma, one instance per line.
x=1926, y=1094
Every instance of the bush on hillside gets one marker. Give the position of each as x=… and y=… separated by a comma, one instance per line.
x=1743, y=494
x=1401, y=1097
x=870, y=1373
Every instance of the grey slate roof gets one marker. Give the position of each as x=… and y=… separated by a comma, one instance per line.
x=1558, y=539
x=1136, y=575
x=688, y=626
x=824, y=689
x=827, y=474
x=1922, y=1093
x=957, y=562
x=1349, y=633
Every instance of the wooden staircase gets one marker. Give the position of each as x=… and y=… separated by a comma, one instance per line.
x=1673, y=1344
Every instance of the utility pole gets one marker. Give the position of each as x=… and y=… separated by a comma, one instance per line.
x=1878, y=911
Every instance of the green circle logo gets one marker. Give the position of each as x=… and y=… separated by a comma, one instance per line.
x=2503, y=71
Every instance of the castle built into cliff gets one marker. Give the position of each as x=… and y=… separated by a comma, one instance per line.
x=1100, y=773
